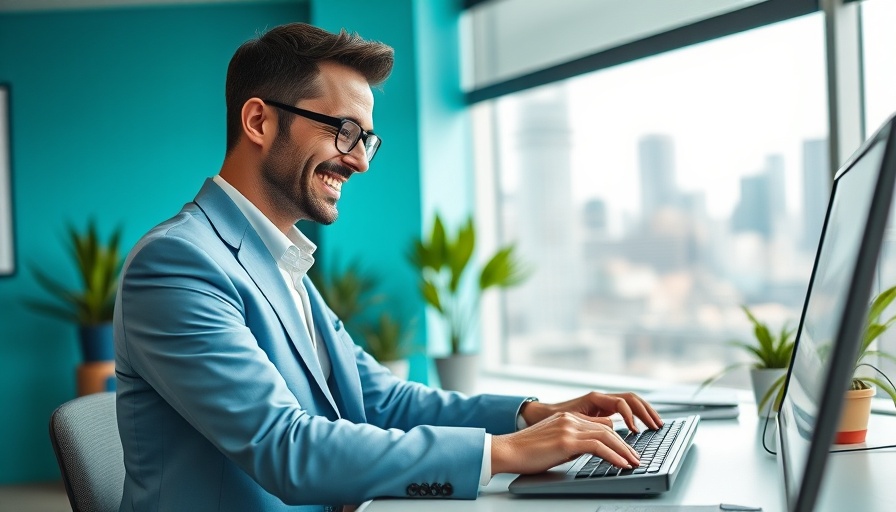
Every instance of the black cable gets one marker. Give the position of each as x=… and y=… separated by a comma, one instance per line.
x=764, y=432
x=864, y=449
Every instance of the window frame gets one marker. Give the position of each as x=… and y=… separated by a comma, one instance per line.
x=755, y=16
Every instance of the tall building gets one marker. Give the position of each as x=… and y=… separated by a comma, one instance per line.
x=753, y=210
x=777, y=194
x=656, y=163
x=763, y=200
x=546, y=215
x=596, y=224
x=816, y=190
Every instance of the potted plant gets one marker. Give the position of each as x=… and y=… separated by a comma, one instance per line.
x=99, y=266
x=387, y=341
x=771, y=355
x=453, y=290
x=350, y=293
x=857, y=402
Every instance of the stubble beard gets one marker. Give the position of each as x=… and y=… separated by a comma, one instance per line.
x=291, y=186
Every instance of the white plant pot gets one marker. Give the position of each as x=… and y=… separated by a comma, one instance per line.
x=458, y=372
x=399, y=367
x=762, y=381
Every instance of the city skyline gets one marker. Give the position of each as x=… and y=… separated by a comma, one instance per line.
x=663, y=293
x=673, y=189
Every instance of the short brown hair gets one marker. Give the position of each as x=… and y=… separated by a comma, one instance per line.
x=283, y=65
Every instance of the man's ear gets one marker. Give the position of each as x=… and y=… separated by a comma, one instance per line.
x=258, y=126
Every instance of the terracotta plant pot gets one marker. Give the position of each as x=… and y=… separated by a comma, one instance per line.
x=95, y=377
x=854, y=417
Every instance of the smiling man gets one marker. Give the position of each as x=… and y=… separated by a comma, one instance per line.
x=238, y=388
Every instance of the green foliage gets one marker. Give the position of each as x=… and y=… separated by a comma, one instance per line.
x=351, y=294
x=99, y=267
x=767, y=351
x=874, y=328
x=443, y=260
x=387, y=339
x=770, y=351
x=348, y=292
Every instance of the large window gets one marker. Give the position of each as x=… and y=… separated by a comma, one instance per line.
x=879, y=59
x=654, y=198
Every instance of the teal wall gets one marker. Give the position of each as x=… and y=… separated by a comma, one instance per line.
x=117, y=114
x=425, y=161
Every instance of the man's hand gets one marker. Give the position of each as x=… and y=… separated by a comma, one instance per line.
x=562, y=431
x=558, y=439
x=597, y=405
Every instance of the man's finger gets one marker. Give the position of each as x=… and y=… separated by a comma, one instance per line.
x=645, y=413
x=603, y=420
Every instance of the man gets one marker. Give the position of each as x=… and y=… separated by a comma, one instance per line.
x=238, y=389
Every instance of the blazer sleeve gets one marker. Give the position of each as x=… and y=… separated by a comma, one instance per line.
x=390, y=402
x=394, y=403
x=181, y=325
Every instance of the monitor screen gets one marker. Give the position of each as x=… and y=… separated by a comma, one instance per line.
x=833, y=316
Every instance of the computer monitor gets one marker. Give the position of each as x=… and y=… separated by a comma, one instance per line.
x=833, y=315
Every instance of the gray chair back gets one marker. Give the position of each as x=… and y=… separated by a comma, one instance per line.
x=84, y=432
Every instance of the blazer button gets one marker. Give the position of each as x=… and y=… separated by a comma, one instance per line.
x=424, y=489
x=413, y=489
x=447, y=489
x=435, y=489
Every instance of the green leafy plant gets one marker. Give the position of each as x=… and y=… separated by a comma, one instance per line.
x=99, y=266
x=387, y=339
x=768, y=350
x=443, y=260
x=874, y=328
x=349, y=292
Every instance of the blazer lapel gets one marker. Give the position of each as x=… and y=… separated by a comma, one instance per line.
x=235, y=230
x=344, y=368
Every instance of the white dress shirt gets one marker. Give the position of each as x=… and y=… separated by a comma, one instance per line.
x=293, y=255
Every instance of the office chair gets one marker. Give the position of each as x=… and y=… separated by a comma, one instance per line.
x=84, y=433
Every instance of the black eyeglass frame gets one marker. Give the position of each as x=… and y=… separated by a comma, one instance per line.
x=338, y=123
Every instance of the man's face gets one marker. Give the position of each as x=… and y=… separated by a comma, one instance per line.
x=303, y=169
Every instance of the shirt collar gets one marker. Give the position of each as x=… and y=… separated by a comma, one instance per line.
x=293, y=251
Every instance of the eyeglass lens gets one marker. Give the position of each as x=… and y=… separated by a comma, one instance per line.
x=349, y=134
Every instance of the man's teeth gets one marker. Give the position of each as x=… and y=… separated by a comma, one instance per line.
x=331, y=182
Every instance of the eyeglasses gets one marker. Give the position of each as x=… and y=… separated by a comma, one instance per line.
x=348, y=132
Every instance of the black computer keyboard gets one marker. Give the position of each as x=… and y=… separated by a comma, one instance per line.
x=651, y=445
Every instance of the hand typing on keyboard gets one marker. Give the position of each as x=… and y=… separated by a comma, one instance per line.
x=562, y=431
x=652, y=446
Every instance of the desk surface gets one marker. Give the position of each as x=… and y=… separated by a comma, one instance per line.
x=726, y=464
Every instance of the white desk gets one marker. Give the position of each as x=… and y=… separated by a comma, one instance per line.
x=726, y=465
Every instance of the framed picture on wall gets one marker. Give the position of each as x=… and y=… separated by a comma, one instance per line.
x=7, y=248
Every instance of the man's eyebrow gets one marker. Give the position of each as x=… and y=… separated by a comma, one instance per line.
x=356, y=121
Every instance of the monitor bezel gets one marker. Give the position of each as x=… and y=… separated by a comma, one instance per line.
x=840, y=365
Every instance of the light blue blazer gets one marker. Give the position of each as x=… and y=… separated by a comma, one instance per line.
x=223, y=407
